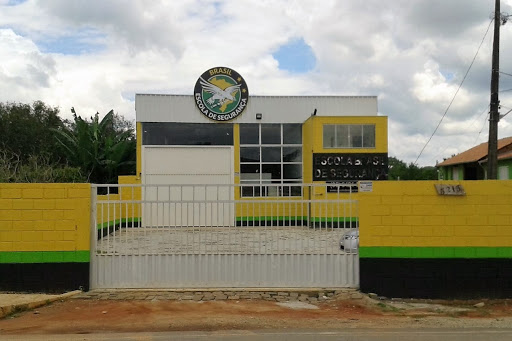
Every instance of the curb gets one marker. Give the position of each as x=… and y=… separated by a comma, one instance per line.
x=10, y=309
x=311, y=295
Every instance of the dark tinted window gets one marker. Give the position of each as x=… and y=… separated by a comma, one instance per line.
x=369, y=136
x=271, y=154
x=271, y=171
x=249, y=134
x=292, y=171
x=249, y=154
x=187, y=134
x=292, y=154
x=270, y=134
x=271, y=159
x=292, y=133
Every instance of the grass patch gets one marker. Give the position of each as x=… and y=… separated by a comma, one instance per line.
x=388, y=308
x=16, y=311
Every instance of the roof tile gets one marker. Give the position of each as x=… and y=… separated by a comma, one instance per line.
x=478, y=153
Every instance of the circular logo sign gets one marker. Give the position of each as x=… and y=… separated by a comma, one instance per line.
x=221, y=94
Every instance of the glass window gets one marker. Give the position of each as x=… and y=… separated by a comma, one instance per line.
x=503, y=173
x=349, y=136
x=161, y=133
x=270, y=172
x=249, y=172
x=274, y=164
x=292, y=133
x=342, y=136
x=249, y=134
x=329, y=136
x=292, y=171
x=291, y=191
x=270, y=134
x=455, y=173
x=252, y=191
x=249, y=154
x=368, y=136
x=356, y=136
x=271, y=154
x=292, y=154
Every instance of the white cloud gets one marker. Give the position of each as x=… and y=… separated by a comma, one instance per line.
x=412, y=54
x=430, y=86
x=24, y=71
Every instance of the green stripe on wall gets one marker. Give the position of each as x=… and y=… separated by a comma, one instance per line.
x=336, y=220
x=269, y=218
x=118, y=222
x=44, y=257
x=312, y=219
x=435, y=252
x=247, y=218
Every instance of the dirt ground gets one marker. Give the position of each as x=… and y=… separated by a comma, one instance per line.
x=80, y=316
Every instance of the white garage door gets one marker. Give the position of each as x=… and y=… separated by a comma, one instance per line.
x=183, y=202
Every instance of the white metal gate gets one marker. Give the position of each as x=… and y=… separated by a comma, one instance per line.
x=207, y=165
x=282, y=241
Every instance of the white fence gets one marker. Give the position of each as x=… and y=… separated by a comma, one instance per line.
x=176, y=236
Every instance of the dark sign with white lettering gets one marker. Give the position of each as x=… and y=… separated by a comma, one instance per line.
x=345, y=167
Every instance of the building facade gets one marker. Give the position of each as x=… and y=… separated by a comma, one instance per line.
x=472, y=163
x=275, y=143
x=264, y=147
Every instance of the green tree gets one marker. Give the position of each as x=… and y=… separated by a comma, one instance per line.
x=36, y=168
x=28, y=150
x=102, y=149
x=26, y=130
x=399, y=170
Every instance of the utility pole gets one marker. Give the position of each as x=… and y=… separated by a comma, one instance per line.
x=494, y=115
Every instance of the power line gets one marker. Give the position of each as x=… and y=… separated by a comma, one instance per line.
x=508, y=112
x=456, y=92
x=508, y=74
x=476, y=119
x=486, y=110
x=480, y=132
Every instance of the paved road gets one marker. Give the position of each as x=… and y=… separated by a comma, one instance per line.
x=291, y=335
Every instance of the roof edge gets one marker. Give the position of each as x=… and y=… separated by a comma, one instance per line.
x=271, y=96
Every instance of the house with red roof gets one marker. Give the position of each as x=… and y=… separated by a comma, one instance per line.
x=472, y=164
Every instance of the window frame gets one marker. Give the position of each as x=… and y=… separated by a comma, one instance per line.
x=336, y=128
x=262, y=187
x=187, y=134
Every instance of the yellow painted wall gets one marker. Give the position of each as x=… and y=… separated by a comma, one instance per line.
x=308, y=148
x=312, y=142
x=312, y=133
x=236, y=143
x=139, y=150
x=268, y=208
x=255, y=207
x=44, y=217
x=412, y=214
x=110, y=212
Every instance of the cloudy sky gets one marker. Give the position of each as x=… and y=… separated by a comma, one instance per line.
x=95, y=55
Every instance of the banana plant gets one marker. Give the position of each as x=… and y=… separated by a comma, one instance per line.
x=100, y=150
